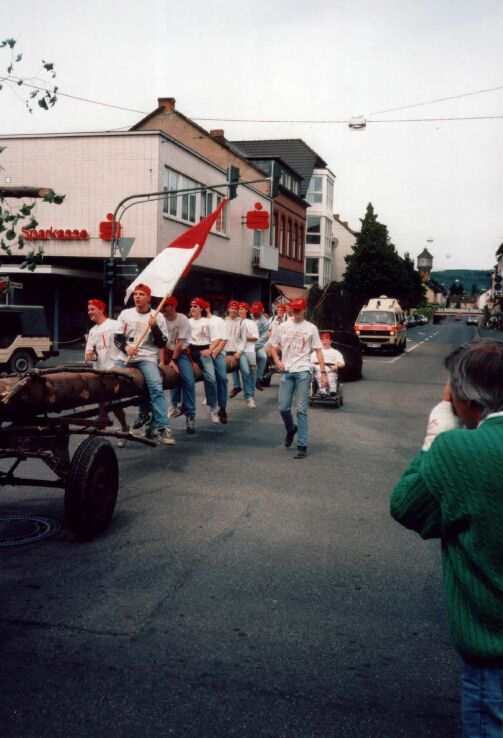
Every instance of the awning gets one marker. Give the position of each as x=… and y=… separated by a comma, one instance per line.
x=288, y=292
x=46, y=270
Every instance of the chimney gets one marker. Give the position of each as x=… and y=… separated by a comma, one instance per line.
x=218, y=134
x=168, y=103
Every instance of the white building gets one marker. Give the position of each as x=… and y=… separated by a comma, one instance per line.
x=320, y=218
x=344, y=240
x=95, y=172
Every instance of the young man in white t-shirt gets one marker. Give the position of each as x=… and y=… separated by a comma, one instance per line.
x=176, y=355
x=297, y=338
x=233, y=335
x=247, y=356
x=131, y=325
x=200, y=351
x=218, y=342
x=102, y=351
x=334, y=361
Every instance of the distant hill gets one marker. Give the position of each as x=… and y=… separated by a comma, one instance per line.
x=467, y=277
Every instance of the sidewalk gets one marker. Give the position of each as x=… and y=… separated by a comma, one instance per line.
x=67, y=355
x=489, y=333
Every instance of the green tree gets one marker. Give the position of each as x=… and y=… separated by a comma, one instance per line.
x=44, y=93
x=456, y=288
x=375, y=268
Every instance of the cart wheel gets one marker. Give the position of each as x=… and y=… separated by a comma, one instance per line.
x=91, y=488
x=341, y=398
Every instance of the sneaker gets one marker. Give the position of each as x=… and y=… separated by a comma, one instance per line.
x=235, y=391
x=166, y=437
x=250, y=402
x=141, y=420
x=259, y=385
x=290, y=436
x=203, y=402
x=215, y=418
x=175, y=411
x=222, y=414
x=190, y=426
x=300, y=453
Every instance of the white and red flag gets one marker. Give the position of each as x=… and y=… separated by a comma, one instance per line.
x=175, y=260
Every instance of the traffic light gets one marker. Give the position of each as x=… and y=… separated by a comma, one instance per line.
x=109, y=275
x=275, y=179
x=233, y=180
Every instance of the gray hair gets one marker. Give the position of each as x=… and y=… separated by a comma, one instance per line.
x=476, y=371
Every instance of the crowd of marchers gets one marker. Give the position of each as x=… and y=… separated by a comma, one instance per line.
x=144, y=338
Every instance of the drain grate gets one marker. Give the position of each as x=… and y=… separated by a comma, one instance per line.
x=16, y=530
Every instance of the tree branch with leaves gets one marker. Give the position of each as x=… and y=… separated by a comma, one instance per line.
x=12, y=217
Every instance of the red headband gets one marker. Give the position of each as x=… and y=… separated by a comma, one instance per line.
x=98, y=303
x=257, y=307
x=298, y=304
x=233, y=304
x=199, y=302
x=171, y=300
x=143, y=288
x=281, y=307
x=326, y=335
x=244, y=306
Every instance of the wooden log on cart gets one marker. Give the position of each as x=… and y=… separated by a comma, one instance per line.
x=43, y=391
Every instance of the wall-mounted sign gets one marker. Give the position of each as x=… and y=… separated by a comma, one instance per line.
x=258, y=219
x=55, y=234
x=109, y=230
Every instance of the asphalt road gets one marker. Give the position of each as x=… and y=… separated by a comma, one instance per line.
x=239, y=592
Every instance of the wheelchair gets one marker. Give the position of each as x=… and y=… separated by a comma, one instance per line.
x=331, y=398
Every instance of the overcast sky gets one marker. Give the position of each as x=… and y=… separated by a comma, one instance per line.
x=296, y=60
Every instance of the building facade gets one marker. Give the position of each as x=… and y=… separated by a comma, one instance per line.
x=344, y=240
x=95, y=172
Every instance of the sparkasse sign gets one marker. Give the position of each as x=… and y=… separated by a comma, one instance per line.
x=55, y=234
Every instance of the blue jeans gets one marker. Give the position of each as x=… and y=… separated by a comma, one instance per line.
x=291, y=381
x=221, y=377
x=481, y=701
x=248, y=369
x=261, y=363
x=210, y=381
x=186, y=390
x=153, y=380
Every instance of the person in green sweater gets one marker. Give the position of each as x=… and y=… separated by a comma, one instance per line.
x=453, y=490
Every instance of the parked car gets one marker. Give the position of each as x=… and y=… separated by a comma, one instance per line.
x=472, y=320
x=24, y=337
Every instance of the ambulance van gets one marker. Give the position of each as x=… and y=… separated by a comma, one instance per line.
x=380, y=325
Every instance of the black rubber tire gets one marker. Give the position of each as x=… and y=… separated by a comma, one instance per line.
x=21, y=361
x=91, y=488
x=403, y=347
x=341, y=398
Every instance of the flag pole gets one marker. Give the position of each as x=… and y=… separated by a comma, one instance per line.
x=198, y=244
x=142, y=337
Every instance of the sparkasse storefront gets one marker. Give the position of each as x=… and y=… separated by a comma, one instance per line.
x=95, y=172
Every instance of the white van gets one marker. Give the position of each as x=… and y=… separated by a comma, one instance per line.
x=380, y=325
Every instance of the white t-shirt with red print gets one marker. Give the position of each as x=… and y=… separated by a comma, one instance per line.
x=100, y=340
x=249, y=330
x=217, y=328
x=200, y=332
x=297, y=341
x=332, y=356
x=234, y=335
x=178, y=328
